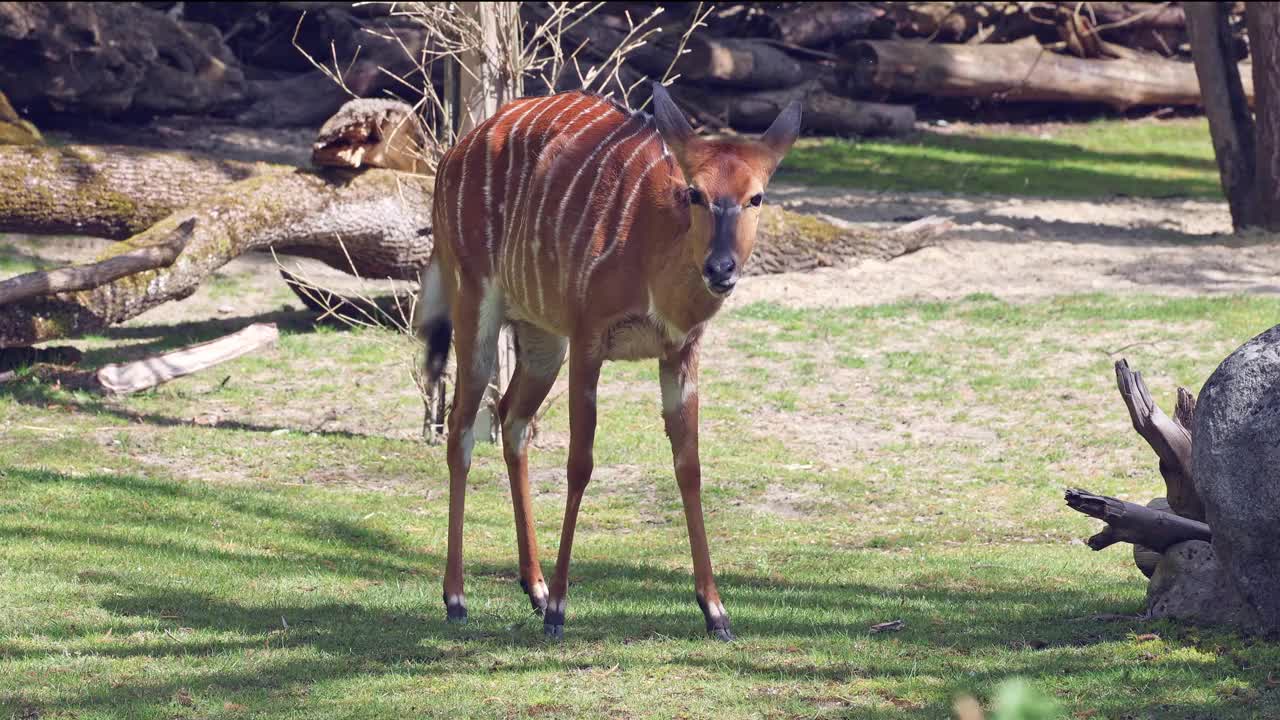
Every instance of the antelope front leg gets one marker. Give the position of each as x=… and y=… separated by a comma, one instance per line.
x=679, y=379
x=584, y=376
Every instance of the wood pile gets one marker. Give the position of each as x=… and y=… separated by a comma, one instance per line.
x=859, y=67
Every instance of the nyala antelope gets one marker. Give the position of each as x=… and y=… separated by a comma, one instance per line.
x=603, y=233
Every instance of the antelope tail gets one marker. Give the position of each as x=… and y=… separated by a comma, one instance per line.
x=431, y=321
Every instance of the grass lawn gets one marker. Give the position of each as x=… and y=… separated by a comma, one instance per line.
x=1107, y=157
x=896, y=462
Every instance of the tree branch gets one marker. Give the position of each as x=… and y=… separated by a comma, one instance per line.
x=84, y=277
x=1170, y=441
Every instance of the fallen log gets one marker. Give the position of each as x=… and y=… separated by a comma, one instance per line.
x=84, y=277
x=372, y=223
x=738, y=63
x=149, y=372
x=824, y=112
x=1133, y=523
x=108, y=191
x=1170, y=440
x=1018, y=72
x=819, y=23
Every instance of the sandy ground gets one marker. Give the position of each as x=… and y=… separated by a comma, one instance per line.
x=1028, y=247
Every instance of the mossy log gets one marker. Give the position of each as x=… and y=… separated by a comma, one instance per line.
x=109, y=191
x=380, y=217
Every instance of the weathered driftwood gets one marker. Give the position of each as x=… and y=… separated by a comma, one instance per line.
x=110, y=191
x=139, y=375
x=1133, y=523
x=1018, y=72
x=1170, y=440
x=371, y=222
x=84, y=277
x=113, y=58
x=824, y=112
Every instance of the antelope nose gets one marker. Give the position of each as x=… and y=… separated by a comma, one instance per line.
x=720, y=274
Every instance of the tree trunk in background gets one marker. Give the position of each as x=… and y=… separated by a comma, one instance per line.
x=1263, y=21
x=1222, y=94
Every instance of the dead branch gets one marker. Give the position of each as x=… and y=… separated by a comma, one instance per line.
x=1170, y=441
x=83, y=277
x=147, y=373
x=1133, y=523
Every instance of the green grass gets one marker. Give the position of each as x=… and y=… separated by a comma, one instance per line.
x=273, y=566
x=1102, y=158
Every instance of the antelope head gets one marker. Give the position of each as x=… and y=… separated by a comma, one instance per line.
x=725, y=185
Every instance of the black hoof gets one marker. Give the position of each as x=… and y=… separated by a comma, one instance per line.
x=553, y=624
x=717, y=619
x=455, y=613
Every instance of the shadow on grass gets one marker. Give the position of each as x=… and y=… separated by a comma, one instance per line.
x=329, y=639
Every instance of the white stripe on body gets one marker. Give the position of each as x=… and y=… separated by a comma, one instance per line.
x=568, y=264
x=588, y=263
x=622, y=218
x=536, y=244
x=510, y=237
x=510, y=209
x=529, y=245
x=564, y=202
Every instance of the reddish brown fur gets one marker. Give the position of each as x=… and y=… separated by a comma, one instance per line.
x=569, y=218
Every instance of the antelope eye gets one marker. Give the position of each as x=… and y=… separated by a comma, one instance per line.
x=696, y=197
x=757, y=199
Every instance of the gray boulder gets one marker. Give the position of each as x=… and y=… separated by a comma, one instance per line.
x=1190, y=584
x=1236, y=464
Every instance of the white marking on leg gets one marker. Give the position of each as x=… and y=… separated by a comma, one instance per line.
x=467, y=442
x=539, y=591
x=515, y=434
x=557, y=605
x=456, y=599
x=716, y=610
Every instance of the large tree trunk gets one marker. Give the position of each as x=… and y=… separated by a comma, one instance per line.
x=109, y=191
x=1223, y=97
x=380, y=217
x=739, y=63
x=1021, y=71
x=1263, y=20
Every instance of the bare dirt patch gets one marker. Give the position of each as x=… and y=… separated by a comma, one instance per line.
x=1021, y=248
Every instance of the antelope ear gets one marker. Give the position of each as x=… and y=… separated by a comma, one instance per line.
x=784, y=130
x=673, y=127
